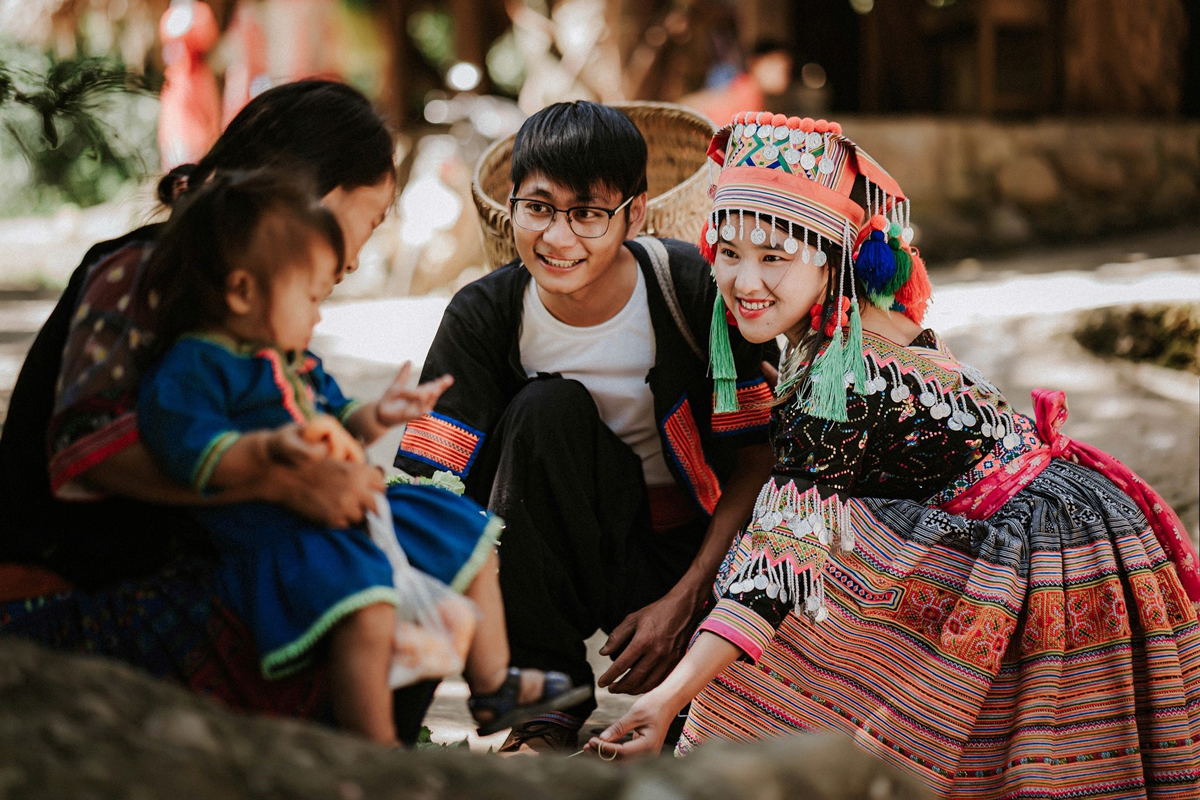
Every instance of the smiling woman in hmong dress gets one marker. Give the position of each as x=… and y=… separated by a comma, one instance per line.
x=968, y=593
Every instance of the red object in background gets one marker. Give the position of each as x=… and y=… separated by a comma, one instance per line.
x=721, y=104
x=190, y=106
x=246, y=75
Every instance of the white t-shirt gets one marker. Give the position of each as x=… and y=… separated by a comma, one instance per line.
x=612, y=360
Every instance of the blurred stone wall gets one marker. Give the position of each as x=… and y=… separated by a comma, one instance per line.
x=978, y=185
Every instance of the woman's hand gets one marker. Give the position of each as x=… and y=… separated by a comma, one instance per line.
x=646, y=723
x=335, y=494
x=403, y=402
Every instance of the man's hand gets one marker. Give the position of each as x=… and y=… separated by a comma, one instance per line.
x=649, y=643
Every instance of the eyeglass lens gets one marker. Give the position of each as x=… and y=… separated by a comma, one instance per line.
x=588, y=223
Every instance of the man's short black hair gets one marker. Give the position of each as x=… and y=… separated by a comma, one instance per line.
x=580, y=145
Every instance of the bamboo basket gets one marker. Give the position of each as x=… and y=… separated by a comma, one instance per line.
x=677, y=144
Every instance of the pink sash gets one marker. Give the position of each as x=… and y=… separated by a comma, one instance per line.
x=985, y=497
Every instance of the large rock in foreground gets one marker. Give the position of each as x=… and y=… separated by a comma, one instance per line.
x=84, y=728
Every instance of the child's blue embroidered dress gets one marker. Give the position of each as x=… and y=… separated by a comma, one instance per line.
x=288, y=579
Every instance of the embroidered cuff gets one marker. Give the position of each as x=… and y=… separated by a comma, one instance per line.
x=737, y=624
x=754, y=410
x=345, y=411
x=209, y=458
x=441, y=441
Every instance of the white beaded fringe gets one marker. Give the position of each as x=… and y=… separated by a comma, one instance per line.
x=800, y=514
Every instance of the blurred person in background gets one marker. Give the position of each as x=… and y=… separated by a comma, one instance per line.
x=768, y=75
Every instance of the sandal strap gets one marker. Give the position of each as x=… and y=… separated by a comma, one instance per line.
x=503, y=699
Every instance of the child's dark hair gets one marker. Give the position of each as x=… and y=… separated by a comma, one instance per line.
x=579, y=145
x=259, y=221
x=325, y=128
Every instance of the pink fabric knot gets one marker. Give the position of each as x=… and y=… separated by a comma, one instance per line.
x=1050, y=410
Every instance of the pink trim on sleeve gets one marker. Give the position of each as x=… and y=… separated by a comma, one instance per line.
x=737, y=624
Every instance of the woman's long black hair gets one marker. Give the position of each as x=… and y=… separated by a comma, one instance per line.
x=324, y=128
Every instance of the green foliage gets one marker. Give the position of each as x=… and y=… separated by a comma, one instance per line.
x=1165, y=335
x=425, y=740
x=74, y=130
x=432, y=31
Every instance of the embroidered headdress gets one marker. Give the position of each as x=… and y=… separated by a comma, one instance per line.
x=789, y=174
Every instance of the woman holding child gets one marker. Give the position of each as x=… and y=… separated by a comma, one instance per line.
x=1006, y=613
x=233, y=282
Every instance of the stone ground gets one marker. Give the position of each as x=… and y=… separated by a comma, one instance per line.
x=1010, y=316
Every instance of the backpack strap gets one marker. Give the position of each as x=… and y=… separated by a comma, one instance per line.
x=662, y=270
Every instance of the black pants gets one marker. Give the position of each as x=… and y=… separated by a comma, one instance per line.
x=578, y=552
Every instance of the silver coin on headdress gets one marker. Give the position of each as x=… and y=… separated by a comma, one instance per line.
x=790, y=246
x=765, y=132
x=770, y=152
x=814, y=140
x=750, y=130
x=796, y=138
x=710, y=235
x=792, y=156
x=781, y=132
x=737, y=130
x=808, y=160
x=906, y=235
x=728, y=231
x=826, y=165
x=758, y=236
x=819, y=258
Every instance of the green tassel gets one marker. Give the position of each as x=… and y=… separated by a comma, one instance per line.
x=854, y=350
x=720, y=357
x=827, y=399
x=903, y=268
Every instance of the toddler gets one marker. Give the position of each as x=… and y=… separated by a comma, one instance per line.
x=236, y=280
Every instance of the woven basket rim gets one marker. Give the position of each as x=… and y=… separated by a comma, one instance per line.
x=485, y=203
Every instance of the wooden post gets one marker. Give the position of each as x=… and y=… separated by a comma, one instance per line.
x=393, y=18
x=987, y=61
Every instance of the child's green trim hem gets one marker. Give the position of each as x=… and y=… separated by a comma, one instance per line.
x=483, y=548
x=283, y=661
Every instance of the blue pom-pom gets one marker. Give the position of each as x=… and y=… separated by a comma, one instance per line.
x=875, y=265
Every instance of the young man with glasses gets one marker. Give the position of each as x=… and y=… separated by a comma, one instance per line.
x=583, y=417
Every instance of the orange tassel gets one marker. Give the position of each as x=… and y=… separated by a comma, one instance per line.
x=915, y=294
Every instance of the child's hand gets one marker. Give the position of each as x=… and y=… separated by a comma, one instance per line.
x=326, y=432
x=404, y=402
x=287, y=445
